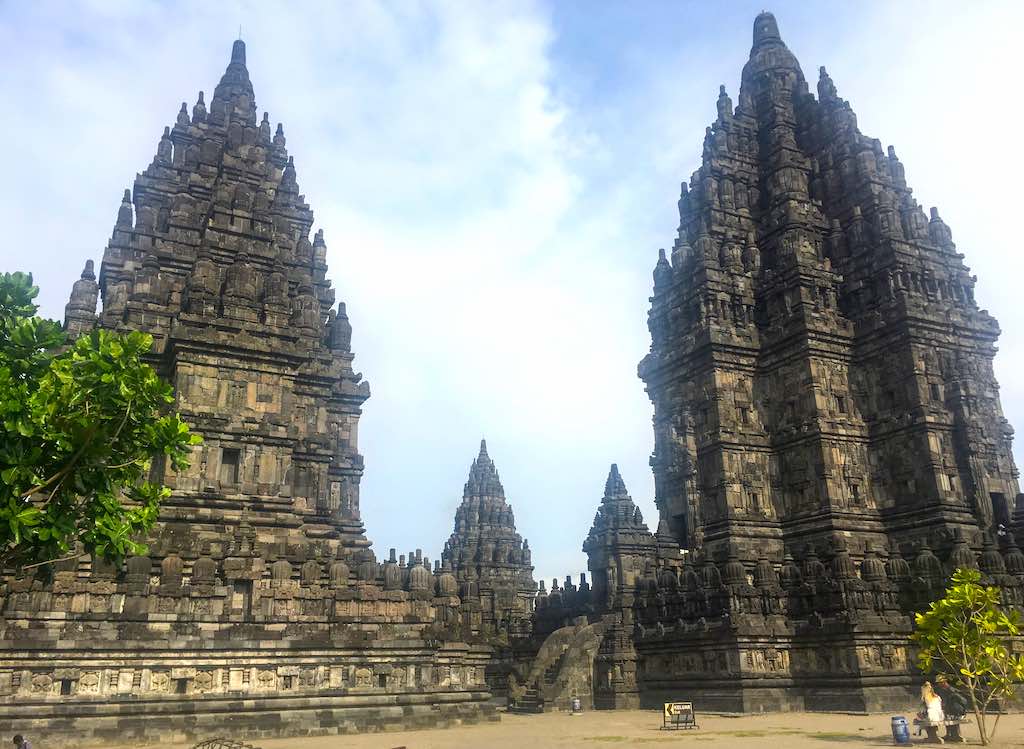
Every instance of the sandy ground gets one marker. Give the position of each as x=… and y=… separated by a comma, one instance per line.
x=627, y=728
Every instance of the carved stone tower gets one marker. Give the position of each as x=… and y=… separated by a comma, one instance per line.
x=621, y=552
x=825, y=412
x=620, y=546
x=819, y=365
x=220, y=267
x=260, y=598
x=489, y=559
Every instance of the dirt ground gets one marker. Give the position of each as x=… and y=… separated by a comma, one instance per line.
x=627, y=728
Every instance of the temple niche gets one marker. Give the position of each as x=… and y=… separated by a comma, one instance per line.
x=260, y=589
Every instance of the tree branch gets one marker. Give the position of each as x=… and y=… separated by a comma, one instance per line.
x=51, y=561
x=63, y=471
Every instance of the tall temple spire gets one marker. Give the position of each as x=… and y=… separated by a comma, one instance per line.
x=211, y=257
x=619, y=542
x=485, y=552
x=827, y=227
x=247, y=267
x=617, y=509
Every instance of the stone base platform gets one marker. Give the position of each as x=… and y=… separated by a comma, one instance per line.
x=723, y=696
x=138, y=722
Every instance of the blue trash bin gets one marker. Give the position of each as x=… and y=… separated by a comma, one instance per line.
x=900, y=730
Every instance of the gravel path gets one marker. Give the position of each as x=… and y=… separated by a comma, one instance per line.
x=628, y=728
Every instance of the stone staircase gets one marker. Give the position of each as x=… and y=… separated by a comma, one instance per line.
x=530, y=702
x=562, y=670
x=551, y=672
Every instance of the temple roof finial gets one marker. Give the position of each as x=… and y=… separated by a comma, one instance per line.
x=766, y=29
x=768, y=53
x=724, y=104
x=826, y=88
x=124, y=213
x=238, y=52
x=483, y=476
x=288, y=176
x=615, y=487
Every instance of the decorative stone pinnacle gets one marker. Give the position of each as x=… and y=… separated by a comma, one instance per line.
x=766, y=29
x=238, y=52
x=483, y=476
x=124, y=213
x=615, y=487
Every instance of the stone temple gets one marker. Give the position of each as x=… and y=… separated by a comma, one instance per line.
x=490, y=560
x=828, y=439
x=260, y=607
x=828, y=447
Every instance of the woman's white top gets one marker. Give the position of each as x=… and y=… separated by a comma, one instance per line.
x=934, y=708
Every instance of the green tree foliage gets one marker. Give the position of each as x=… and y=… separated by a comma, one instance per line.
x=968, y=636
x=79, y=425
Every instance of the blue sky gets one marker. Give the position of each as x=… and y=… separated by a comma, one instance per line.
x=494, y=181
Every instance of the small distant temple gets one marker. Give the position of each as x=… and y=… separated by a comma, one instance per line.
x=491, y=562
x=828, y=447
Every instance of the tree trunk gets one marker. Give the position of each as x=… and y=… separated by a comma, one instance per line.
x=979, y=715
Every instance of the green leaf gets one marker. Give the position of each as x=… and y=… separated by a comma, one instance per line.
x=79, y=425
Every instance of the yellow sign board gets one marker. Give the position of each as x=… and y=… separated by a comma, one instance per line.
x=673, y=709
x=678, y=715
